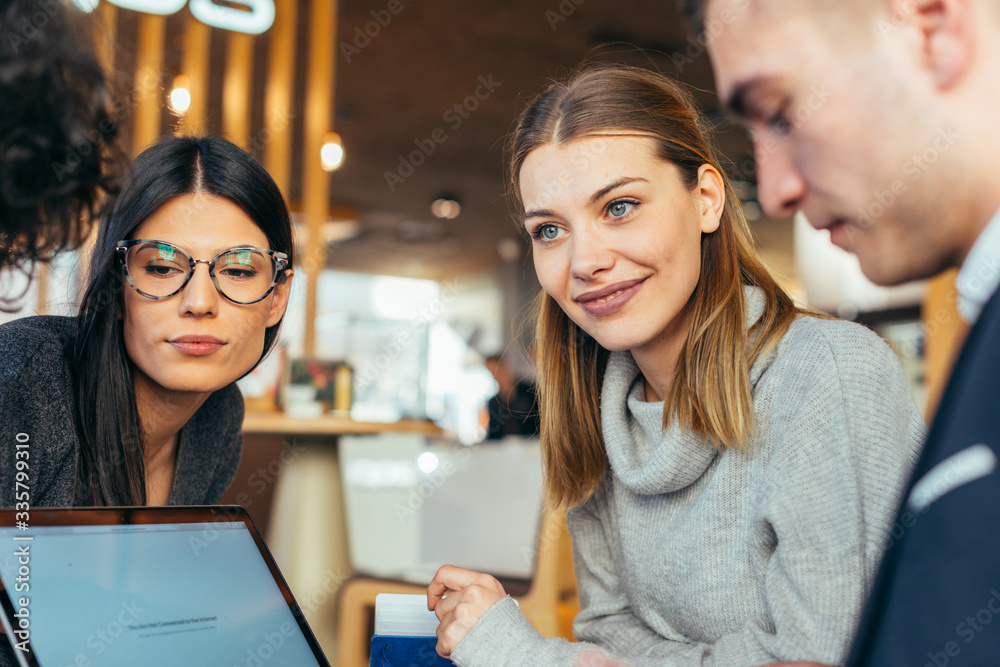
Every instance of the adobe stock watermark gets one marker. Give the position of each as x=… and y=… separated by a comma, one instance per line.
x=954, y=472
x=912, y=171
x=697, y=45
x=102, y=639
x=554, y=188
x=258, y=481
x=273, y=641
x=27, y=28
x=320, y=596
x=549, y=533
x=421, y=492
x=968, y=630
x=278, y=122
x=901, y=13
x=148, y=82
x=455, y=116
x=390, y=351
x=795, y=118
x=562, y=12
x=362, y=36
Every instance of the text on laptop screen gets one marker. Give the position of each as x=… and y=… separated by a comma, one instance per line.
x=157, y=594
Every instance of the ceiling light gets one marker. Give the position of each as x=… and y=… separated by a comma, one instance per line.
x=509, y=249
x=180, y=96
x=446, y=207
x=332, y=153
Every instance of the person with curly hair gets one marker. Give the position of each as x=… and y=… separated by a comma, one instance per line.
x=57, y=131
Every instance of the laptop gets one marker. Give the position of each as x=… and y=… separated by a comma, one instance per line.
x=147, y=586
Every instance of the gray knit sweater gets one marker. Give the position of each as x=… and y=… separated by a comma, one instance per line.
x=689, y=556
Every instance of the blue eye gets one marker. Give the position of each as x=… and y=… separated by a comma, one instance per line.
x=545, y=232
x=621, y=208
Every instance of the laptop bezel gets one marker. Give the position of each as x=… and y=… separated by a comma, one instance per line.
x=111, y=516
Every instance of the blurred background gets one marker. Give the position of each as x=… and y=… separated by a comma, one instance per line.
x=391, y=432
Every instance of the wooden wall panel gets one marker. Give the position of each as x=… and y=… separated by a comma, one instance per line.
x=279, y=95
x=149, y=94
x=318, y=121
x=237, y=89
x=195, y=67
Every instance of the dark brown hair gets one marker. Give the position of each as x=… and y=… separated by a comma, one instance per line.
x=111, y=465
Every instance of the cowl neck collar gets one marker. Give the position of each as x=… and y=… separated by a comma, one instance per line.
x=644, y=456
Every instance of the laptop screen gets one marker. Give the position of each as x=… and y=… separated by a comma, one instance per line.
x=140, y=592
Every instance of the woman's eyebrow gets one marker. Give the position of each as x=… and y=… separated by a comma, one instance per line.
x=600, y=194
x=541, y=213
x=594, y=198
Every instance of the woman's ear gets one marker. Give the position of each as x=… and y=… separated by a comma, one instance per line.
x=279, y=298
x=711, y=197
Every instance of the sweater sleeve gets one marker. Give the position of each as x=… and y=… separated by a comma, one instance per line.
x=36, y=411
x=846, y=433
x=503, y=636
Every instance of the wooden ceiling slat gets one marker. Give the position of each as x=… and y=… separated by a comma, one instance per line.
x=237, y=89
x=279, y=96
x=195, y=66
x=148, y=81
x=318, y=120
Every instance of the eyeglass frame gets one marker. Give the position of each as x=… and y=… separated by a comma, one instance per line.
x=279, y=259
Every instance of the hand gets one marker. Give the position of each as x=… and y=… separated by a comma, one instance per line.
x=459, y=598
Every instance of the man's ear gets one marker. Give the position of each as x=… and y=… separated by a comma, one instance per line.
x=279, y=299
x=711, y=193
x=947, y=32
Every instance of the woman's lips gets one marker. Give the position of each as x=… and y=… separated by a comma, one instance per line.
x=610, y=300
x=196, y=346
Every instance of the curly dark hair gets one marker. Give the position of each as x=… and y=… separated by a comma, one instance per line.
x=58, y=158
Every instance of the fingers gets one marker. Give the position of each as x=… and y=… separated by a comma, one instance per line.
x=450, y=578
x=459, y=613
x=449, y=635
x=459, y=598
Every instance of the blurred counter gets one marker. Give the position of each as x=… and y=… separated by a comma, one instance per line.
x=258, y=422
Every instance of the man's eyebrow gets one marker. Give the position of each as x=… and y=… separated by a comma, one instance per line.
x=597, y=196
x=739, y=101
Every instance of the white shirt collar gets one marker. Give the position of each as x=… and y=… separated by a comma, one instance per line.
x=980, y=274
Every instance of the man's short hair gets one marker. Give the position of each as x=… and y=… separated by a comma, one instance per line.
x=694, y=14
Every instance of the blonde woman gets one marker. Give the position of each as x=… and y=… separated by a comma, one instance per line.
x=728, y=461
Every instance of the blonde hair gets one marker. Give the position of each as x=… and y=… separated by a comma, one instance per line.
x=710, y=393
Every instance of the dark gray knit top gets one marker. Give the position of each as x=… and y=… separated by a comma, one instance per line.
x=36, y=398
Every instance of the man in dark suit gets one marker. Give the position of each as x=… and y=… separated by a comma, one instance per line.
x=878, y=120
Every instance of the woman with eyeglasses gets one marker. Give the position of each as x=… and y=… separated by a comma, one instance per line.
x=133, y=402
